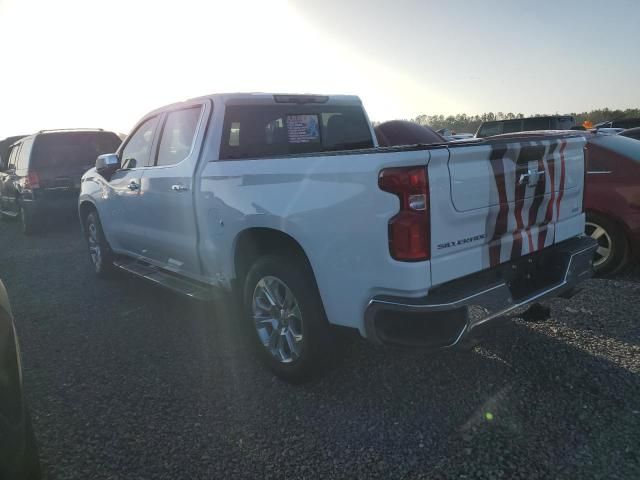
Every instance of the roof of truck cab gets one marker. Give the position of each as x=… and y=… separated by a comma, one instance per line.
x=259, y=98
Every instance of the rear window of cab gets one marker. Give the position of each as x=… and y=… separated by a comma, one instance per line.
x=255, y=131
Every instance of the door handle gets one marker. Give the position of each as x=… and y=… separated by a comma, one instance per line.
x=531, y=177
x=133, y=185
x=179, y=188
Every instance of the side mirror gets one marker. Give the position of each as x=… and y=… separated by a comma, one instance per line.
x=107, y=164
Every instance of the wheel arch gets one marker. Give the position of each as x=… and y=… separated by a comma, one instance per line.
x=84, y=208
x=255, y=242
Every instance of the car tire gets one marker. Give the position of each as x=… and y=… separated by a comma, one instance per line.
x=100, y=254
x=27, y=221
x=613, y=248
x=286, y=320
x=30, y=468
x=3, y=216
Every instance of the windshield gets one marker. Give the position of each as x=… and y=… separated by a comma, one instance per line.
x=622, y=145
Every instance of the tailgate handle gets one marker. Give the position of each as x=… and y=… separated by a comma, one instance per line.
x=531, y=178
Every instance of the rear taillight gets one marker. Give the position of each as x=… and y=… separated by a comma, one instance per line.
x=32, y=181
x=409, y=230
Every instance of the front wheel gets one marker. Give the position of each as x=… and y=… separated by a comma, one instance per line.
x=286, y=318
x=100, y=253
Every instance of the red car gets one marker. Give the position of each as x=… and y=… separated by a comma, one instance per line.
x=612, y=193
x=612, y=199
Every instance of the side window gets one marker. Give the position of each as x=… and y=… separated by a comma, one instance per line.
x=512, y=126
x=23, y=155
x=536, y=124
x=138, y=147
x=177, y=136
x=13, y=156
x=490, y=129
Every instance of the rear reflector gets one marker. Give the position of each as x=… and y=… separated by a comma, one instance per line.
x=409, y=230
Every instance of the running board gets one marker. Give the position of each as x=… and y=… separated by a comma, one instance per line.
x=9, y=214
x=176, y=283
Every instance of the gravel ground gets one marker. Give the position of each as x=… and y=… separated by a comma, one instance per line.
x=130, y=382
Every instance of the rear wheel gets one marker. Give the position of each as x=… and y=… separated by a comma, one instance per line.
x=30, y=462
x=100, y=253
x=613, y=248
x=286, y=318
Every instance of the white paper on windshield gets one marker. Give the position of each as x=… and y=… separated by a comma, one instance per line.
x=303, y=128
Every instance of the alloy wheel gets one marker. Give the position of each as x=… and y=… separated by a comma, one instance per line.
x=603, y=252
x=278, y=319
x=94, y=245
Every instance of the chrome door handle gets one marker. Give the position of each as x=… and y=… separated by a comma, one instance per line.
x=531, y=177
x=133, y=185
x=179, y=188
x=524, y=178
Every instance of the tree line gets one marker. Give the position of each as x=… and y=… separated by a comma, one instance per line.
x=469, y=123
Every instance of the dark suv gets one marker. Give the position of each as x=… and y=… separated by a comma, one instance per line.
x=40, y=178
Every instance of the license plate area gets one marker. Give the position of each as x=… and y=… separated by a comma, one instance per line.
x=534, y=273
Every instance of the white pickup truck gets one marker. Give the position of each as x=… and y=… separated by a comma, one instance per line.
x=289, y=201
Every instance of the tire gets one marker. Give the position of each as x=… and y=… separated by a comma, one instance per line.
x=3, y=217
x=30, y=468
x=27, y=222
x=100, y=254
x=286, y=320
x=613, y=247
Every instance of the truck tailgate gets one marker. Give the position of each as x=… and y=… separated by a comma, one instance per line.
x=498, y=200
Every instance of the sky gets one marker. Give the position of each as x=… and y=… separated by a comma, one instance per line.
x=85, y=63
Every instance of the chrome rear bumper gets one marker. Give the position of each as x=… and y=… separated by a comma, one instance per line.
x=458, y=309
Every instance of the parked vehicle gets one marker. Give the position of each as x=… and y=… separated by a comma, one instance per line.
x=18, y=447
x=623, y=123
x=42, y=176
x=607, y=131
x=451, y=136
x=612, y=200
x=631, y=133
x=286, y=200
x=498, y=127
x=403, y=132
